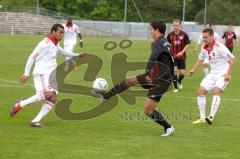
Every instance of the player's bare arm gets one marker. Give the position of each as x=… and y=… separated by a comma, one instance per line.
x=196, y=66
x=81, y=54
x=182, y=52
x=229, y=72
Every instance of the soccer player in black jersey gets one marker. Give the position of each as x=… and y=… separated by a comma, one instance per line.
x=157, y=77
x=179, y=41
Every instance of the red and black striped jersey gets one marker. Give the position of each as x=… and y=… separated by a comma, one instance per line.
x=178, y=42
x=229, y=36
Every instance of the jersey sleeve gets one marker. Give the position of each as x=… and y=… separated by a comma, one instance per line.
x=168, y=38
x=186, y=39
x=234, y=36
x=225, y=52
x=224, y=34
x=31, y=59
x=66, y=53
x=202, y=55
x=77, y=30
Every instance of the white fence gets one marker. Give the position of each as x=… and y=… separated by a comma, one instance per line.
x=140, y=30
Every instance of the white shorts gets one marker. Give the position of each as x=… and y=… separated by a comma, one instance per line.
x=206, y=61
x=45, y=82
x=214, y=80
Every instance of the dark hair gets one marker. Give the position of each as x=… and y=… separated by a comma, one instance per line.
x=160, y=25
x=56, y=26
x=209, y=31
x=208, y=24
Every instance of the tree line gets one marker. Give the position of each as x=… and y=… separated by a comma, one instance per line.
x=218, y=11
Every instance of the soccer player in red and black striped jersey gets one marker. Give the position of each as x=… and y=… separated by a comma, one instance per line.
x=179, y=41
x=229, y=37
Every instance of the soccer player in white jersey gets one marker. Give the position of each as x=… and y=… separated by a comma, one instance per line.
x=44, y=56
x=71, y=31
x=221, y=61
x=200, y=41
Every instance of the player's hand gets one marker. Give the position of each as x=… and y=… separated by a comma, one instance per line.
x=227, y=77
x=179, y=54
x=82, y=54
x=81, y=44
x=190, y=73
x=23, y=79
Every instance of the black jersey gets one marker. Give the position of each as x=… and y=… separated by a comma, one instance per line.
x=160, y=63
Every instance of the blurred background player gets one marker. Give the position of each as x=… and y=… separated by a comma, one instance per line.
x=157, y=78
x=199, y=42
x=229, y=38
x=44, y=56
x=221, y=61
x=179, y=41
x=71, y=31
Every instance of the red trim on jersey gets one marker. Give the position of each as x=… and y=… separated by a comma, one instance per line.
x=69, y=24
x=209, y=48
x=50, y=37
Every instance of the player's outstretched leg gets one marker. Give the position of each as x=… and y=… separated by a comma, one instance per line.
x=51, y=99
x=22, y=103
x=122, y=86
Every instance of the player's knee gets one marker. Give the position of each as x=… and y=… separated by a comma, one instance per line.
x=50, y=96
x=201, y=92
x=130, y=81
x=148, y=109
x=217, y=91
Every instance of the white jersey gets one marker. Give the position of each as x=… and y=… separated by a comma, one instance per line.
x=218, y=57
x=70, y=34
x=44, y=56
x=216, y=37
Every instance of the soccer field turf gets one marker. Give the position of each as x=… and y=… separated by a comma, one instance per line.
x=123, y=132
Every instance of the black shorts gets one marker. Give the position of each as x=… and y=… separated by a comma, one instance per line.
x=156, y=89
x=180, y=64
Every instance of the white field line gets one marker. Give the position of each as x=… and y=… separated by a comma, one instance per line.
x=18, y=85
x=9, y=83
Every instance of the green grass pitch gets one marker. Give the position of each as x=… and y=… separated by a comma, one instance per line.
x=118, y=133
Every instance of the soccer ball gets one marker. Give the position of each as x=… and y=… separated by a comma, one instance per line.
x=100, y=84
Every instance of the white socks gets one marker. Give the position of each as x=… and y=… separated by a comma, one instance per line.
x=47, y=106
x=215, y=105
x=33, y=99
x=201, y=100
x=205, y=70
